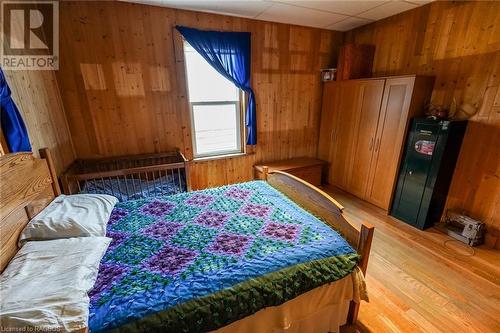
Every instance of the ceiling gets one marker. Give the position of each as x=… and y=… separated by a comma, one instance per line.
x=332, y=15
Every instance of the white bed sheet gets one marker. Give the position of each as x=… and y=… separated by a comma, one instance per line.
x=45, y=286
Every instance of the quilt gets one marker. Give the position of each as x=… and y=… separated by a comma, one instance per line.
x=197, y=261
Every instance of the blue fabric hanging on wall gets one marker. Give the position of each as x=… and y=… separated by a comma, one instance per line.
x=229, y=54
x=13, y=126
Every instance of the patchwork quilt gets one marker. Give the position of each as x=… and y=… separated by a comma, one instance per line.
x=198, y=261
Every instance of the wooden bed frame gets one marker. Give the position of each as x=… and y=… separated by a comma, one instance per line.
x=320, y=204
x=29, y=184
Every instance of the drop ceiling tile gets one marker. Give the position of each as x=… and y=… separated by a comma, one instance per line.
x=315, y=13
x=238, y=8
x=348, y=24
x=286, y=13
x=387, y=9
x=340, y=7
x=419, y=2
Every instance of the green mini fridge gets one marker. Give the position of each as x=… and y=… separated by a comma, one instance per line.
x=432, y=148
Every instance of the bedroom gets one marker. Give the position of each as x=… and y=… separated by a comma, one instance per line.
x=127, y=81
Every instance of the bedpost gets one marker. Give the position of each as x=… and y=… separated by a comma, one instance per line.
x=265, y=171
x=187, y=174
x=186, y=170
x=45, y=154
x=364, y=245
x=363, y=248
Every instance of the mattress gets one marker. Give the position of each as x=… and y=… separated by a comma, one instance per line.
x=198, y=261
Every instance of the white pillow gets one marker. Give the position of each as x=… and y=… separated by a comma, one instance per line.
x=45, y=286
x=78, y=215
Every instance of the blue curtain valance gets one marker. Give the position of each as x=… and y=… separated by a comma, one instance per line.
x=229, y=54
x=13, y=126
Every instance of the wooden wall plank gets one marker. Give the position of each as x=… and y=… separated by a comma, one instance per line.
x=36, y=95
x=458, y=42
x=132, y=98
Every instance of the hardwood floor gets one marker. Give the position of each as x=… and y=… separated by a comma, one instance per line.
x=423, y=281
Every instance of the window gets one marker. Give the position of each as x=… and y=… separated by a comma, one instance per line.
x=216, y=108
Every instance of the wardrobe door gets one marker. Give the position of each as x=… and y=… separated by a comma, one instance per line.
x=346, y=108
x=392, y=124
x=365, y=128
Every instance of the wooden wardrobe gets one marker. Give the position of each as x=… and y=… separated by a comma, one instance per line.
x=363, y=128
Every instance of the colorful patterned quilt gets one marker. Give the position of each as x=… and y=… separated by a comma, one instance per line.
x=197, y=261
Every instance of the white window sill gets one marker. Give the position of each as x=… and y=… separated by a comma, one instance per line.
x=220, y=157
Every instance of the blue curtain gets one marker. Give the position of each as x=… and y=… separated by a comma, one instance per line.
x=229, y=54
x=13, y=126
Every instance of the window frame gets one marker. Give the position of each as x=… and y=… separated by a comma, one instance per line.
x=239, y=129
x=240, y=119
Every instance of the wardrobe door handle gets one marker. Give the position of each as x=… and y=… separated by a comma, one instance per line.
x=371, y=144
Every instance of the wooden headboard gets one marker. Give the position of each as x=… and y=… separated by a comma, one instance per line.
x=27, y=185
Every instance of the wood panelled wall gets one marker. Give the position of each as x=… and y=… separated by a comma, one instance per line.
x=36, y=94
x=459, y=43
x=123, y=84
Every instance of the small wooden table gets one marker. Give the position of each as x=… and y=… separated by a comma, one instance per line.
x=307, y=168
